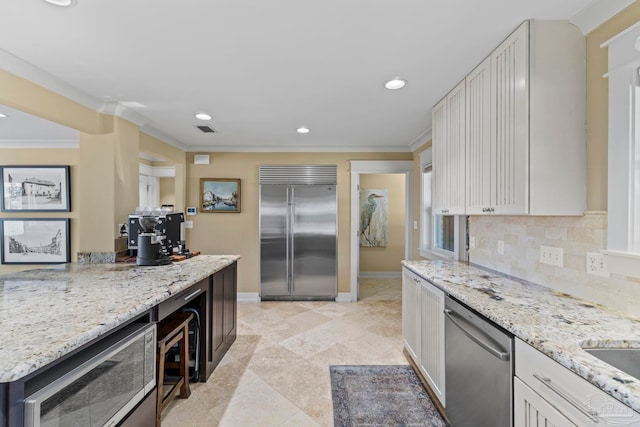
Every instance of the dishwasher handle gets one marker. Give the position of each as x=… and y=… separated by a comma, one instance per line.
x=493, y=351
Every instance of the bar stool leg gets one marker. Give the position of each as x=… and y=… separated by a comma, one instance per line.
x=160, y=381
x=183, y=349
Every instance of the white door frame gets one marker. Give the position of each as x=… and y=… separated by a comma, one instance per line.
x=359, y=167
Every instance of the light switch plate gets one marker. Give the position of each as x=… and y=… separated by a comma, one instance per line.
x=472, y=242
x=597, y=264
x=500, y=247
x=188, y=224
x=551, y=255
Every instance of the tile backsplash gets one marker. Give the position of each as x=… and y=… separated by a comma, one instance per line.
x=577, y=235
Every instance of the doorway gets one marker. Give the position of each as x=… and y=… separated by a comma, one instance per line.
x=359, y=168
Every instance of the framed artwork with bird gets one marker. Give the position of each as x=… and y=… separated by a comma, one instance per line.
x=374, y=217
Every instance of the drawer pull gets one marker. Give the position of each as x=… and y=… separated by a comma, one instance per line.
x=592, y=415
x=192, y=294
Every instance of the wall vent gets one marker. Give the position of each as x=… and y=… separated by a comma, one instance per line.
x=206, y=129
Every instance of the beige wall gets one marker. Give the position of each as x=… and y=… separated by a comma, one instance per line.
x=168, y=192
x=39, y=156
x=385, y=259
x=237, y=233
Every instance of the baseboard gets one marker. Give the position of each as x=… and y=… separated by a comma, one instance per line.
x=344, y=297
x=380, y=274
x=248, y=297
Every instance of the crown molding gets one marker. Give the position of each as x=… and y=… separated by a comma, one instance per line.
x=297, y=149
x=152, y=131
x=421, y=140
x=596, y=13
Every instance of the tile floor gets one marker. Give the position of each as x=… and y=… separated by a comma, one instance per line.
x=277, y=371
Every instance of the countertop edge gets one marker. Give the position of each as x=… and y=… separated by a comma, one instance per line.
x=591, y=369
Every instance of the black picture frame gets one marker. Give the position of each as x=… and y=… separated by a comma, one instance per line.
x=35, y=188
x=35, y=240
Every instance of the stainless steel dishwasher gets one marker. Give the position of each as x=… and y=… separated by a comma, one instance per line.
x=478, y=369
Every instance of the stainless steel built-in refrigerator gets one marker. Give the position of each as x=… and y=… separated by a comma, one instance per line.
x=298, y=228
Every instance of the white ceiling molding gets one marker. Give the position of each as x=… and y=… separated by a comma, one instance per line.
x=292, y=149
x=157, y=171
x=421, y=140
x=33, y=143
x=381, y=166
x=22, y=68
x=599, y=11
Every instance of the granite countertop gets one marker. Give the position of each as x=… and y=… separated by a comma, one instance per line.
x=47, y=313
x=554, y=323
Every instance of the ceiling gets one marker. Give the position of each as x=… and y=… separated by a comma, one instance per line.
x=260, y=68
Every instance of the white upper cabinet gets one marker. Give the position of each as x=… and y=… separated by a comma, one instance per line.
x=448, y=141
x=525, y=126
x=510, y=124
x=478, y=89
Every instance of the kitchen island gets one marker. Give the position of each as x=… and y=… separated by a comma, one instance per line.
x=49, y=314
x=556, y=324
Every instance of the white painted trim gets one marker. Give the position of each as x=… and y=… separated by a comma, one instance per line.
x=27, y=71
x=358, y=167
x=380, y=274
x=35, y=143
x=344, y=297
x=157, y=171
x=381, y=166
x=248, y=297
x=346, y=148
x=422, y=139
x=596, y=13
x=623, y=263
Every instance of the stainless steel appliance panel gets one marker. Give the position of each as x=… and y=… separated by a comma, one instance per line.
x=478, y=369
x=314, y=229
x=274, y=240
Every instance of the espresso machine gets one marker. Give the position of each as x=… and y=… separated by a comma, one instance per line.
x=151, y=249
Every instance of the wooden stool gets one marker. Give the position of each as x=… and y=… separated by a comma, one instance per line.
x=173, y=329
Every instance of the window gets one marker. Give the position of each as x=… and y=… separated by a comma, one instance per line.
x=623, y=231
x=440, y=235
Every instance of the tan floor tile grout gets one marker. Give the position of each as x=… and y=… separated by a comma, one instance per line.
x=285, y=349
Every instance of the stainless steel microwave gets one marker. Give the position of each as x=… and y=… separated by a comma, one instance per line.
x=99, y=386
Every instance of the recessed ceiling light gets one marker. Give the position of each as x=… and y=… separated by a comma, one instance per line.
x=203, y=116
x=2, y=115
x=303, y=129
x=63, y=3
x=395, y=83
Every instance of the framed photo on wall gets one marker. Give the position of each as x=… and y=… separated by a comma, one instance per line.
x=35, y=189
x=35, y=240
x=219, y=195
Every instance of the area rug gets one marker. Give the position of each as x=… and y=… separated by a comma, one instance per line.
x=380, y=395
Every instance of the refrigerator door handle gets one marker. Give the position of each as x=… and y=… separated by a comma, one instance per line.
x=292, y=223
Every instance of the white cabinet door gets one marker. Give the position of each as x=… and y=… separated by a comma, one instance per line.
x=439, y=147
x=432, y=338
x=448, y=139
x=531, y=410
x=510, y=130
x=478, y=139
x=411, y=314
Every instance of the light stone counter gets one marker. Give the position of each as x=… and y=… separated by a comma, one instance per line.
x=47, y=313
x=554, y=323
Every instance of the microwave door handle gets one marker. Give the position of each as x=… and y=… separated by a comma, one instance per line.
x=488, y=347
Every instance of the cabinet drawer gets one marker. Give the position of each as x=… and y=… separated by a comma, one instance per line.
x=175, y=302
x=580, y=401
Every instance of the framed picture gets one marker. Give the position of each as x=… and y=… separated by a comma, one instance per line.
x=35, y=188
x=35, y=241
x=374, y=217
x=219, y=195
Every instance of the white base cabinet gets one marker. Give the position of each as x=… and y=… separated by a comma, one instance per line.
x=546, y=393
x=423, y=329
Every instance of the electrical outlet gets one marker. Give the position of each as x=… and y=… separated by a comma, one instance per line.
x=551, y=255
x=188, y=224
x=500, y=247
x=597, y=264
x=472, y=242
x=415, y=225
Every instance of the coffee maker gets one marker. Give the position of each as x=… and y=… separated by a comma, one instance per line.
x=151, y=250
